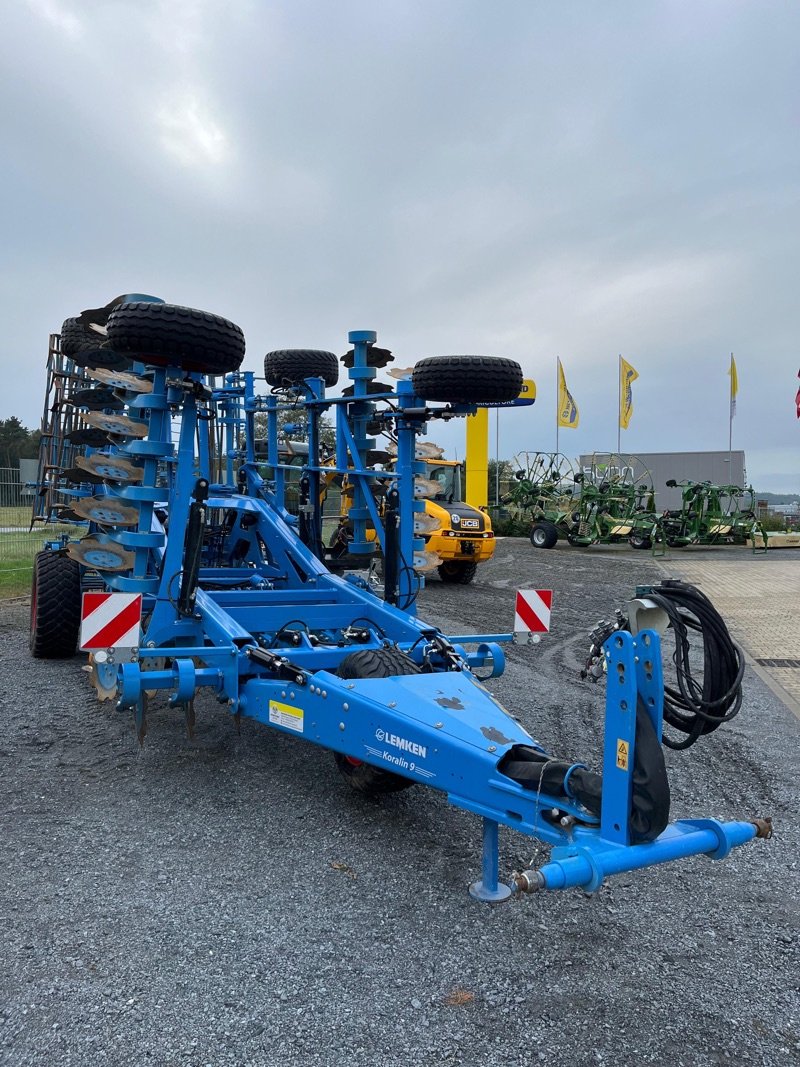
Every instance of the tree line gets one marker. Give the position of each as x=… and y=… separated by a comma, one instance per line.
x=17, y=442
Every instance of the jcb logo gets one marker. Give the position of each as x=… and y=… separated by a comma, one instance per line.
x=470, y=524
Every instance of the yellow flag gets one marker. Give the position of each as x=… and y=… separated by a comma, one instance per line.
x=567, y=408
x=627, y=376
x=734, y=385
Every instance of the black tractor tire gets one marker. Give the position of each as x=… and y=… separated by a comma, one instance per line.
x=640, y=541
x=76, y=338
x=544, y=534
x=55, y=606
x=174, y=336
x=291, y=366
x=89, y=349
x=467, y=379
x=454, y=572
x=373, y=663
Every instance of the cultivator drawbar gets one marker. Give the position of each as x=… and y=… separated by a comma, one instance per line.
x=238, y=601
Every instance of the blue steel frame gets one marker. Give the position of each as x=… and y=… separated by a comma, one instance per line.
x=269, y=629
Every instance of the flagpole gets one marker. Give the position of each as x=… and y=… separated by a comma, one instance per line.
x=497, y=457
x=730, y=424
x=619, y=405
x=558, y=382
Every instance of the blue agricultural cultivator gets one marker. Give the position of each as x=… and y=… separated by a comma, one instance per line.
x=184, y=571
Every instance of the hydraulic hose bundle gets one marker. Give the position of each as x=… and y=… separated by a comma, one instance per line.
x=693, y=706
x=697, y=707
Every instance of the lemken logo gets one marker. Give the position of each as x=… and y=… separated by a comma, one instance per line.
x=402, y=743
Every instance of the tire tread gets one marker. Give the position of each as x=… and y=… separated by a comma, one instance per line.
x=56, y=595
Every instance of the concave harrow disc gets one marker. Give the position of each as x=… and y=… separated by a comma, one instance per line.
x=426, y=562
x=131, y=383
x=101, y=556
x=121, y=425
x=426, y=487
x=107, y=511
x=110, y=468
x=92, y=358
x=96, y=399
x=88, y=436
x=77, y=475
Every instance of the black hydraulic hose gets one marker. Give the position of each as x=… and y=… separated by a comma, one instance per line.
x=193, y=547
x=697, y=707
x=391, y=554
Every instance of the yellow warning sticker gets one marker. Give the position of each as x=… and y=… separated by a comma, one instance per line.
x=623, y=748
x=285, y=715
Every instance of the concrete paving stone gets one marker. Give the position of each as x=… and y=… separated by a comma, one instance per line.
x=758, y=596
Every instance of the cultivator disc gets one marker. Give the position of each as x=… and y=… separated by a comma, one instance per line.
x=130, y=383
x=101, y=555
x=100, y=357
x=78, y=476
x=424, y=523
x=423, y=450
x=119, y=425
x=103, y=676
x=107, y=511
x=66, y=513
x=426, y=562
x=377, y=455
x=96, y=399
x=426, y=487
x=107, y=467
x=88, y=437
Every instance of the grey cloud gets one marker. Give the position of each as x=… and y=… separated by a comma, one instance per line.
x=528, y=180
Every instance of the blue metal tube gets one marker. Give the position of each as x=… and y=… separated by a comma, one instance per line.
x=589, y=869
x=478, y=639
x=272, y=449
x=488, y=889
x=407, y=467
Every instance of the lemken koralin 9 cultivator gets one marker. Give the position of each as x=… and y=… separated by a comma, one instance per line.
x=185, y=546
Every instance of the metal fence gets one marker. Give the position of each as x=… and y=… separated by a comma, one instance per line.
x=18, y=543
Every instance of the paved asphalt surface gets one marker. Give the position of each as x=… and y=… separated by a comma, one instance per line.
x=228, y=900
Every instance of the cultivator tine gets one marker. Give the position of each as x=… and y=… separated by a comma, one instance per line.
x=188, y=711
x=141, y=719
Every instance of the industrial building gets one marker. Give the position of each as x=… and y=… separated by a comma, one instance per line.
x=721, y=468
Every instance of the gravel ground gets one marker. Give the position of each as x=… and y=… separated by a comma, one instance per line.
x=228, y=900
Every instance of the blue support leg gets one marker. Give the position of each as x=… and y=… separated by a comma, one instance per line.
x=489, y=889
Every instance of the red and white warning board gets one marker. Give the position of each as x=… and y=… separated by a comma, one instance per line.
x=532, y=611
x=110, y=620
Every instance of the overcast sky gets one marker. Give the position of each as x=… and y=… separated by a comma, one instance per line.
x=524, y=179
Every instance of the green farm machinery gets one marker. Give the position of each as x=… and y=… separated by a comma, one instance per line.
x=712, y=515
x=605, y=503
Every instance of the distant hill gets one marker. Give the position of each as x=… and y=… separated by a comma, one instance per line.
x=778, y=498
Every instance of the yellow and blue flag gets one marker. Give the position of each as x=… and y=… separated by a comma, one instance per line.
x=567, y=408
x=627, y=376
x=734, y=385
